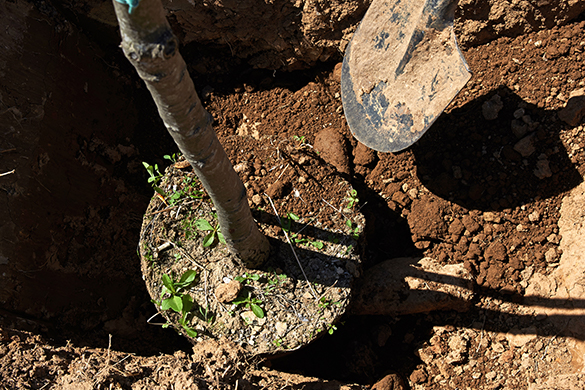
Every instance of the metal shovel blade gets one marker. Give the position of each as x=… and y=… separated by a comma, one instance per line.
x=400, y=71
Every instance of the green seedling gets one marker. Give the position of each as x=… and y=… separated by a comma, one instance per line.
x=278, y=343
x=214, y=232
x=324, y=303
x=306, y=241
x=274, y=282
x=286, y=222
x=352, y=199
x=188, y=191
x=246, y=277
x=206, y=314
x=148, y=254
x=331, y=328
x=355, y=230
x=172, y=157
x=348, y=250
x=178, y=299
x=153, y=172
x=246, y=300
x=300, y=139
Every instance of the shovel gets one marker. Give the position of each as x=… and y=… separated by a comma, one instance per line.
x=400, y=71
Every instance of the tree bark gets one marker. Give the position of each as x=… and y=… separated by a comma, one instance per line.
x=149, y=44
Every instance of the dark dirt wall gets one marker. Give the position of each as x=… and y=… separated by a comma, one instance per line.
x=292, y=34
x=69, y=213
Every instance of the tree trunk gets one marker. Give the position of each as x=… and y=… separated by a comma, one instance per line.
x=149, y=44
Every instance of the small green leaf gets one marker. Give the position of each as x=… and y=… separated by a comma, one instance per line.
x=221, y=238
x=188, y=277
x=208, y=240
x=176, y=303
x=187, y=302
x=165, y=305
x=254, y=277
x=158, y=189
x=168, y=283
x=202, y=224
x=348, y=223
x=257, y=310
x=190, y=332
x=317, y=244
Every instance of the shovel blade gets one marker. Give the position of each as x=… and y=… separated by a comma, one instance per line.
x=400, y=71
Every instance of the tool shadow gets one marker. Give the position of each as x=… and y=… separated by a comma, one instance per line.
x=492, y=165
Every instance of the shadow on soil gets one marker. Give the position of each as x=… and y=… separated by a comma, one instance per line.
x=483, y=165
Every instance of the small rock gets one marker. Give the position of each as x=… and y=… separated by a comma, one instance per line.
x=519, y=113
x=574, y=110
x=336, y=75
x=491, y=108
x=390, y=382
x=281, y=328
x=534, y=216
x=276, y=190
x=551, y=255
x=256, y=199
x=250, y=318
x=507, y=356
x=519, y=128
x=498, y=348
x=227, y=292
x=518, y=338
x=363, y=155
x=332, y=147
x=426, y=355
x=521, y=228
x=489, y=216
x=456, y=227
x=554, y=239
x=525, y=146
x=496, y=251
x=418, y=376
x=459, y=343
x=243, y=167
x=542, y=170
x=470, y=224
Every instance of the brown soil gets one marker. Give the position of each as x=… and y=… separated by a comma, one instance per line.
x=483, y=192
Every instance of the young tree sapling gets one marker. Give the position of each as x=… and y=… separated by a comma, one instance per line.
x=149, y=44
